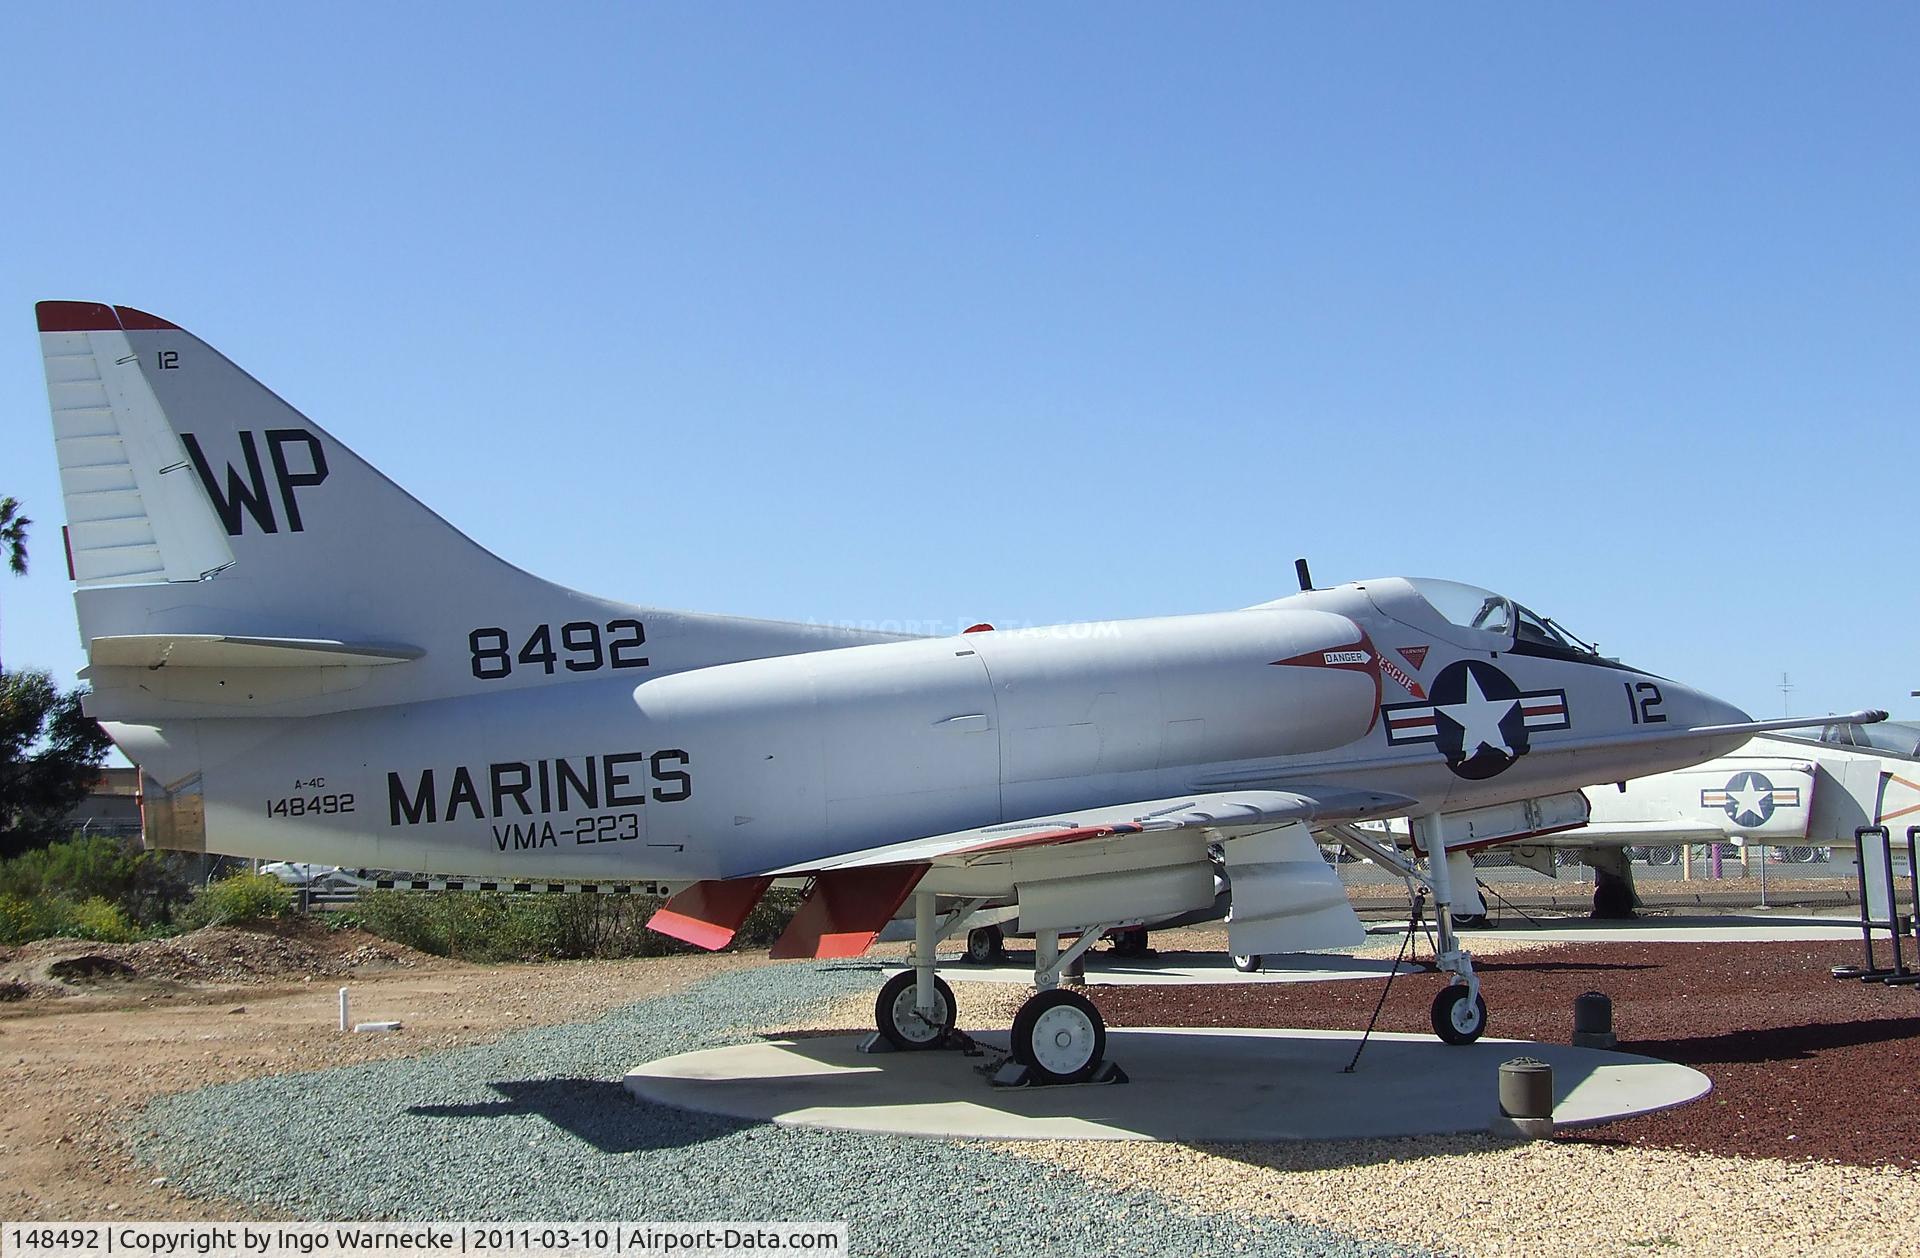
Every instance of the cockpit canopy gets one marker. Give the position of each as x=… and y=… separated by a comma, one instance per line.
x=1471, y=607
x=1899, y=738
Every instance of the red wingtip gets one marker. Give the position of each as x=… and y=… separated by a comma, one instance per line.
x=76, y=316
x=140, y=321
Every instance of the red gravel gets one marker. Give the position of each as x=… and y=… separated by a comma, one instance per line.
x=1804, y=1067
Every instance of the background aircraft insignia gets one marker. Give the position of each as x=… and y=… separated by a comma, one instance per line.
x=1479, y=719
x=1750, y=798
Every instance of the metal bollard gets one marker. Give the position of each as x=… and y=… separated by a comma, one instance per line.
x=1526, y=1099
x=1593, y=1021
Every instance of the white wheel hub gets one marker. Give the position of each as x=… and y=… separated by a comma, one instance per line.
x=1062, y=1040
x=1465, y=1015
x=908, y=1020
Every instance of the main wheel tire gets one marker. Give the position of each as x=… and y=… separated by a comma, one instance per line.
x=1060, y=1037
x=896, y=1013
x=1454, y=1019
x=1248, y=962
x=986, y=945
x=1469, y=921
x=1130, y=942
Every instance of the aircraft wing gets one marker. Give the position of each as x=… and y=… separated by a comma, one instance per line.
x=855, y=894
x=1236, y=811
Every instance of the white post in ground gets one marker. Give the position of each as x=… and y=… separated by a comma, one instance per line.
x=923, y=992
x=345, y=1023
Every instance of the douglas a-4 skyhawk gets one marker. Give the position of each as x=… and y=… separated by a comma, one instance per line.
x=307, y=664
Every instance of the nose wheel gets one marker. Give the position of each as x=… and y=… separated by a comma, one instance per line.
x=898, y=1015
x=1459, y=1014
x=1060, y=1037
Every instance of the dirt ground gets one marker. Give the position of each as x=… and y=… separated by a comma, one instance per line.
x=91, y=1032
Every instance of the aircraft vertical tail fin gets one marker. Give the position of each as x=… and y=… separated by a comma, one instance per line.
x=135, y=512
x=212, y=528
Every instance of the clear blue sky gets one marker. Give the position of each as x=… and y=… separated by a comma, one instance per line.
x=1041, y=313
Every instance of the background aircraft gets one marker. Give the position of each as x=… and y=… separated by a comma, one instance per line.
x=1780, y=789
x=308, y=664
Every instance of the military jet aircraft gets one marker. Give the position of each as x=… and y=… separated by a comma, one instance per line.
x=1788, y=790
x=308, y=664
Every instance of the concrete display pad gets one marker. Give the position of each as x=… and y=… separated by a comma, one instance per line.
x=1187, y=1085
x=1106, y=970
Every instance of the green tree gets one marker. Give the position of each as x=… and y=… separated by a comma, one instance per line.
x=50, y=754
x=13, y=536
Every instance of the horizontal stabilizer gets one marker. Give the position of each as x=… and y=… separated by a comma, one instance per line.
x=210, y=650
x=708, y=914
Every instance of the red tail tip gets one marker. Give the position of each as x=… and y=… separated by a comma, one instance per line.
x=76, y=316
x=93, y=316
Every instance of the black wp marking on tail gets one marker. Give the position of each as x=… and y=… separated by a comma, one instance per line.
x=247, y=495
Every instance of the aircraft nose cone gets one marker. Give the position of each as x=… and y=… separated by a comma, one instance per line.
x=1712, y=711
x=1695, y=709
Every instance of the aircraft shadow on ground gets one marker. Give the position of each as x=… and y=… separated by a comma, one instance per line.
x=1791, y=1043
x=599, y=1112
x=963, y=1079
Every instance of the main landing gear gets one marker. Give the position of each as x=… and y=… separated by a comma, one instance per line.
x=902, y=1021
x=1058, y=1035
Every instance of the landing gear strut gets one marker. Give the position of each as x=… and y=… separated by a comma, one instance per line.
x=1058, y=1036
x=1459, y=1013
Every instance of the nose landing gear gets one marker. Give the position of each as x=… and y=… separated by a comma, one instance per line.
x=1459, y=1014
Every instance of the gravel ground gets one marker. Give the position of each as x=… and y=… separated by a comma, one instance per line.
x=538, y=1126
